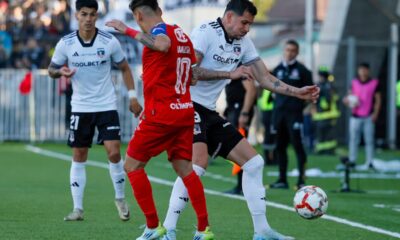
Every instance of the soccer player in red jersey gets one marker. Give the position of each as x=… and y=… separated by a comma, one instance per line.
x=167, y=120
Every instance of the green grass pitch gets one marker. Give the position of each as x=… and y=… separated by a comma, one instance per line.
x=35, y=196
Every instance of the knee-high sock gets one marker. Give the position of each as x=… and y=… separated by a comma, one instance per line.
x=254, y=192
x=178, y=200
x=77, y=183
x=144, y=196
x=117, y=175
x=196, y=194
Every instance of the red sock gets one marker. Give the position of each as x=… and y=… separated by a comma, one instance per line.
x=196, y=194
x=142, y=191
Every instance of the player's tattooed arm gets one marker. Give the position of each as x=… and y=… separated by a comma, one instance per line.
x=160, y=42
x=204, y=74
x=268, y=81
x=56, y=71
x=199, y=73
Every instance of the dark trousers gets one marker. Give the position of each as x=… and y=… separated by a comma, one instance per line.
x=269, y=143
x=289, y=127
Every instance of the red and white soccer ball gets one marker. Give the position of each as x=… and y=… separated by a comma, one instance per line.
x=310, y=202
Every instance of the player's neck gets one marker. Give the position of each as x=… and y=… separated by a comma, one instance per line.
x=225, y=26
x=87, y=36
x=152, y=23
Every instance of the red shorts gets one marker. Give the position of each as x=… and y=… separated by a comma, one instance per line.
x=152, y=139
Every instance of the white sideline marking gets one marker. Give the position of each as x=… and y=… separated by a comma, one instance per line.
x=216, y=193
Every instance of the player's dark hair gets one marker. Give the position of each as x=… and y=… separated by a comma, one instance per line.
x=86, y=3
x=153, y=4
x=292, y=42
x=239, y=6
x=364, y=65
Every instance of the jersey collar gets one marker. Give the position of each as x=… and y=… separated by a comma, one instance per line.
x=86, y=44
x=227, y=39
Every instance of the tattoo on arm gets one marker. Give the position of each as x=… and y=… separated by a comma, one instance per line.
x=147, y=40
x=54, y=70
x=288, y=90
x=277, y=84
x=200, y=73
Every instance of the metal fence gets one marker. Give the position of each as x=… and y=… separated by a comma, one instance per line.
x=41, y=115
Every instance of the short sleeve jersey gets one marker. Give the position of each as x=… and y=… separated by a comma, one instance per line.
x=219, y=54
x=93, y=89
x=167, y=77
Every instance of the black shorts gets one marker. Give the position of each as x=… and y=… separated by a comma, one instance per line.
x=82, y=127
x=219, y=134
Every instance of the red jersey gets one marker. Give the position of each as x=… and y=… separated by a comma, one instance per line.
x=167, y=77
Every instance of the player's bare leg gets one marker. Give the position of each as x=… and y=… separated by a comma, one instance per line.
x=117, y=174
x=144, y=196
x=77, y=183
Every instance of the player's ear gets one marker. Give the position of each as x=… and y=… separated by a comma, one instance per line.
x=139, y=16
x=159, y=11
x=76, y=15
x=229, y=15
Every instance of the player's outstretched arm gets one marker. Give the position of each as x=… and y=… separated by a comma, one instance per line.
x=203, y=74
x=268, y=81
x=56, y=71
x=160, y=42
x=134, y=105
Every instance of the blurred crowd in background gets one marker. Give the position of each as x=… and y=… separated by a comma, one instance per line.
x=29, y=30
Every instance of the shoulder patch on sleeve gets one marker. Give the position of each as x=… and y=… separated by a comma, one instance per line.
x=159, y=29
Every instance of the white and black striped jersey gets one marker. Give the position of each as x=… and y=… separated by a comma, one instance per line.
x=93, y=89
x=220, y=54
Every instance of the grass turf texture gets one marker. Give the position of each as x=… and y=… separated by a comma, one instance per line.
x=35, y=196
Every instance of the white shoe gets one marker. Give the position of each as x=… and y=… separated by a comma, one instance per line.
x=153, y=233
x=123, y=210
x=75, y=215
x=170, y=235
x=271, y=235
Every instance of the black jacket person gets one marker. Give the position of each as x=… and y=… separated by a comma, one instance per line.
x=288, y=114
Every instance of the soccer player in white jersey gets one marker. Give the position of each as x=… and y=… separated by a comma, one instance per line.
x=86, y=56
x=220, y=45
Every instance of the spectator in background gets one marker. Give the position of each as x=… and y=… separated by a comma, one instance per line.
x=288, y=114
x=365, y=100
x=325, y=114
x=3, y=57
x=32, y=55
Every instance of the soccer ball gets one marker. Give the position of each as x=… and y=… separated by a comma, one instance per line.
x=310, y=202
x=353, y=101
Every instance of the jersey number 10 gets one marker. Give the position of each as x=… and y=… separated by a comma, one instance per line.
x=183, y=66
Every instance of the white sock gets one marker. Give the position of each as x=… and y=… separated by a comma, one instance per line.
x=178, y=200
x=77, y=183
x=117, y=174
x=254, y=192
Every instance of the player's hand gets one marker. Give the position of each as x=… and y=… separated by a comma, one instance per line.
x=242, y=72
x=67, y=72
x=193, y=81
x=310, y=93
x=117, y=25
x=135, y=107
x=243, y=121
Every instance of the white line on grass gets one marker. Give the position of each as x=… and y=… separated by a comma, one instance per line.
x=216, y=193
